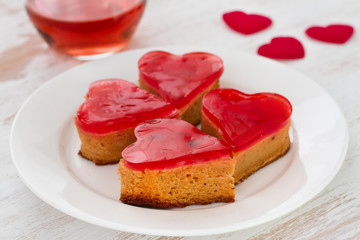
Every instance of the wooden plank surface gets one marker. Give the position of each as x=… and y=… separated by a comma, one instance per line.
x=26, y=62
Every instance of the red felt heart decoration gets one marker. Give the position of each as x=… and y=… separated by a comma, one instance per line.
x=246, y=23
x=282, y=48
x=336, y=33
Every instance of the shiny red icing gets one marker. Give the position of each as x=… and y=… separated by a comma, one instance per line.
x=170, y=143
x=115, y=104
x=244, y=119
x=335, y=33
x=180, y=79
x=246, y=23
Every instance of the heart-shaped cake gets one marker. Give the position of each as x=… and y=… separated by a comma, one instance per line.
x=182, y=80
x=335, y=33
x=174, y=164
x=246, y=23
x=256, y=125
x=282, y=48
x=112, y=109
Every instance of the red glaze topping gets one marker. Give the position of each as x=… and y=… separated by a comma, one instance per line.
x=179, y=79
x=115, y=104
x=170, y=143
x=244, y=119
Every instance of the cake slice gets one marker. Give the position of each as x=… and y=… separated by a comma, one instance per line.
x=174, y=164
x=106, y=120
x=257, y=126
x=182, y=80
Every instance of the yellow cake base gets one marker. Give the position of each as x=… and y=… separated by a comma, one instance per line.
x=259, y=155
x=105, y=148
x=200, y=183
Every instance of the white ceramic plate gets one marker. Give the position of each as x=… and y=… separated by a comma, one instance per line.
x=44, y=146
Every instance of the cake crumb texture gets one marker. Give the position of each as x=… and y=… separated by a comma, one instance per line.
x=200, y=183
x=105, y=148
x=257, y=156
x=261, y=154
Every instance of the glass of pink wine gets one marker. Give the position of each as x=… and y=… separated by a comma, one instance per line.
x=86, y=29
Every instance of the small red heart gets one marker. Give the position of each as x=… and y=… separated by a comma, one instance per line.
x=246, y=23
x=336, y=33
x=282, y=48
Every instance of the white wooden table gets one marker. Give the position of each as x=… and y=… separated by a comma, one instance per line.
x=26, y=62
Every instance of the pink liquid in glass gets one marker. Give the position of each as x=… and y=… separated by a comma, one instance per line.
x=86, y=27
